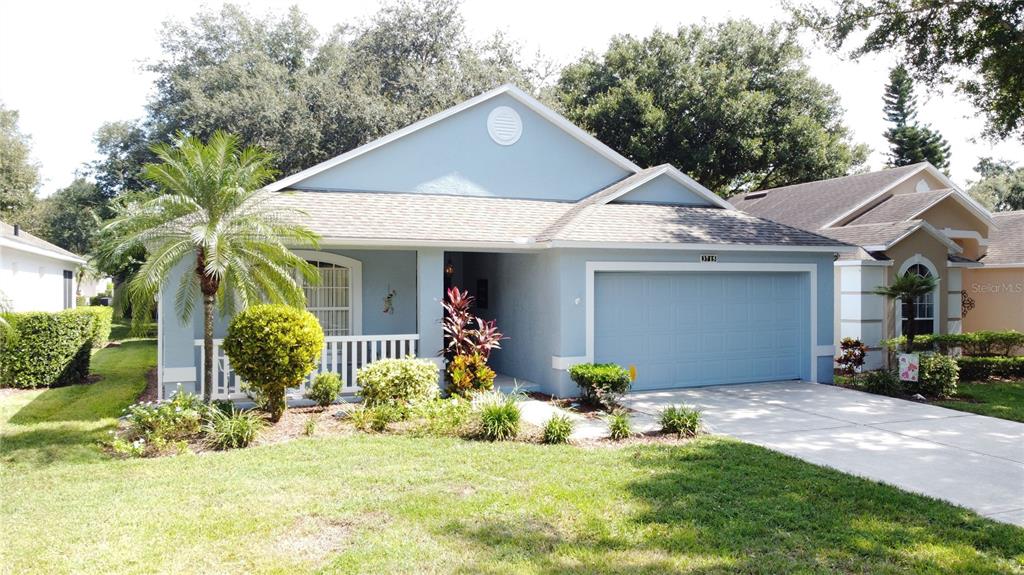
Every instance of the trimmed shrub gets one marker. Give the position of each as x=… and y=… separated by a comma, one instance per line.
x=601, y=383
x=977, y=343
x=468, y=373
x=50, y=349
x=937, y=377
x=325, y=389
x=398, y=382
x=558, y=429
x=272, y=347
x=103, y=318
x=619, y=426
x=882, y=382
x=499, y=415
x=982, y=368
x=681, y=420
x=231, y=430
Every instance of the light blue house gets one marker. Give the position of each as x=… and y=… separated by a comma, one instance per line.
x=579, y=254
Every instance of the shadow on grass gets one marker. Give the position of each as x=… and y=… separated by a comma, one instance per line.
x=719, y=506
x=65, y=423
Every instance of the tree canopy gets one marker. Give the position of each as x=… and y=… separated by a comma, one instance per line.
x=938, y=41
x=19, y=175
x=1001, y=187
x=910, y=142
x=733, y=105
x=274, y=82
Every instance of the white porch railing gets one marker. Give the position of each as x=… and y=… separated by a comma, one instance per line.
x=343, y=355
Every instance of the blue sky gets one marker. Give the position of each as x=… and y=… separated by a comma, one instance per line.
x=69, y=67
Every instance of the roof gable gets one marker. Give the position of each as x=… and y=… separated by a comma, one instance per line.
x=1006, y=244
x=667, y=185
x=26, y=242
x=454, y=153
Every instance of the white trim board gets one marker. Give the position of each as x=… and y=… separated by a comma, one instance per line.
x=6, y=243
x=563, y=363
x=921, y=225
x=592, y=267
x=512, y=91
x=339, y=242
x=863, y=263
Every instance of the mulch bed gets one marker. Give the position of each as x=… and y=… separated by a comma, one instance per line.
x=150, y=392
x=293, y=424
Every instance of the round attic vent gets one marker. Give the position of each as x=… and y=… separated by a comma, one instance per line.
x=922, y=186
x=504, y=125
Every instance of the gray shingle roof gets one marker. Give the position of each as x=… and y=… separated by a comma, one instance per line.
x=814, y=204
x=900, y=207
x=870, y=234
x=1006, y=244
x=27, y=239
x=340, y=216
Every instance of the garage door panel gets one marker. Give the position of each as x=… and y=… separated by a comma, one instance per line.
x=690, y=328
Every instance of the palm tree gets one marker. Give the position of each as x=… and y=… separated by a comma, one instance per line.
x=906, y=289
x=213, y=213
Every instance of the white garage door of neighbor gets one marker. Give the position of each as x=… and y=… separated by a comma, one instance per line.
x=685, y=329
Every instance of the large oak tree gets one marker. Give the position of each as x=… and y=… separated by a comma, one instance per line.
x=733, y=105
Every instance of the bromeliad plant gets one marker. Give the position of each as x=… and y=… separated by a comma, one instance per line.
x=469, y=341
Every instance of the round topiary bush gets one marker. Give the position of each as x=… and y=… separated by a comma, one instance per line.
x=272, y=348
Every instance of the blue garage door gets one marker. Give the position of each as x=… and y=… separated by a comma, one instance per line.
x=684, y=329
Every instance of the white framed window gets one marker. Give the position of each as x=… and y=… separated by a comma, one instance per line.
x=337, y=300
x=926, y=311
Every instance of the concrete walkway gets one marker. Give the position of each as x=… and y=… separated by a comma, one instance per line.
x=969, y=460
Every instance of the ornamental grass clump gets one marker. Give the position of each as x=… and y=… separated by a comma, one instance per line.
x=272, y=348
x=498, y=414
x=558, y=429
x=231, y=430
x=680, y=420
x=619, y=426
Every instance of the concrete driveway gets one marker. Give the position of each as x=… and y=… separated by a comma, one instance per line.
x=969, y=460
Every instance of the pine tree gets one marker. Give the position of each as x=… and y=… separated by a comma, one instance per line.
x=910, y=142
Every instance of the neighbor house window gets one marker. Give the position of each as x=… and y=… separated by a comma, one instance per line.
x=331, y=300
x=924, y=306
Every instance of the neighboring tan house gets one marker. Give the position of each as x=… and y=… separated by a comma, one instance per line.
x=995, y=291
x=910, y=218
x=35, y=275
x=578, y=253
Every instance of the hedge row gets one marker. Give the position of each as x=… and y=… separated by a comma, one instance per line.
x=103, y=319
x=49, y=350
x=982, y=368
x=978, y=343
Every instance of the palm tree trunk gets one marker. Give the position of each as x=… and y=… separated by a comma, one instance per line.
x=208, y=347
x=908, y=312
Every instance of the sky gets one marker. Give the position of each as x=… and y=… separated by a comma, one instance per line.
x=68, y=67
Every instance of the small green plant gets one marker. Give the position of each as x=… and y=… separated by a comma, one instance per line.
x=442, y=417
x=882, y=382
x=152, y=429
x=325, y=389
x=619, y=426
x=231, y=430
x=469, y=373
x=272, y=348
x=499, y=415
x=937, y=376
x=601, y=383
x=398, y=382
x=681, y=420
x=360, y=416
x=383, y=415
x=558, y=429
x=310, y=427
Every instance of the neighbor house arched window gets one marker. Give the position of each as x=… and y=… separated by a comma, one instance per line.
x=336, y=299
x=925, y=309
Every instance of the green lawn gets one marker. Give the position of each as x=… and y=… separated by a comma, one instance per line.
x=995, y=399
x=385, y=504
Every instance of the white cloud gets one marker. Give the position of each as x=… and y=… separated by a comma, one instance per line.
x=69, y=67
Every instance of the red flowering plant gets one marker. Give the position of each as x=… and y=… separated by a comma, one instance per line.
x=468, y=335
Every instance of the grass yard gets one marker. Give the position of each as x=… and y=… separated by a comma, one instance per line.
x=1003, y=399
x=387, y=504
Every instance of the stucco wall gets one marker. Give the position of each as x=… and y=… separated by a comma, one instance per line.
x=32, y=282
x=950, y=214
x=923, y=244
x=911, y=185
x=998, y=296
x=457, y=156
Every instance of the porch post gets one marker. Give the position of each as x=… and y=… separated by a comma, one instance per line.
x=429, y=291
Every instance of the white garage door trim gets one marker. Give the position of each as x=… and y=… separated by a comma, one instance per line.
x=811, y=269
